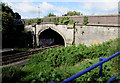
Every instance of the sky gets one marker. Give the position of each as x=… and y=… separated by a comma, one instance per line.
x=40, y=8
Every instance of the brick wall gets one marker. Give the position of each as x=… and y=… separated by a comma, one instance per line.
x=102, y=19
x=93, y=19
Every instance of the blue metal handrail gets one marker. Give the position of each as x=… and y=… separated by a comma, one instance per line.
x=103, y=60
x=113, y=78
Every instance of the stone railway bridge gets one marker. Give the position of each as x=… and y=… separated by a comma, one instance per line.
x=74, y=34
x=101, y=28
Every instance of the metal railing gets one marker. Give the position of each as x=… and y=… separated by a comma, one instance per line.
x=102, y=60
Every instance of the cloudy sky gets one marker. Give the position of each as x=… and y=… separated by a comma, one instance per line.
x=41, y=8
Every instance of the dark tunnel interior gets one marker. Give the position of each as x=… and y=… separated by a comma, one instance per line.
x=50, y=37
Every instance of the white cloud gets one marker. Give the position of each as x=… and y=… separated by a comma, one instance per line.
x=87, y=6
x=61, y=0
x=25, y=7
x=29, y=10
x=18, y=1
x=61, y=10
x=108, y=6
x=102, y=7
x=45, y=6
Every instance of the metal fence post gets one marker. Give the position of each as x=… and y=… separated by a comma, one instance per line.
x=100, y=71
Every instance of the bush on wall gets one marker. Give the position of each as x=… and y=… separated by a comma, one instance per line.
x=85, y=21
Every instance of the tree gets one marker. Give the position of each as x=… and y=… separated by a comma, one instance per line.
x=17, y=16
x=8, y=28
x=7, y=23
x=7, y=19
x=12, y=29
x=51, y=15
x=7, y=9
x=73, y=13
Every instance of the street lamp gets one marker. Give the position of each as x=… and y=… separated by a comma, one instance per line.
x=38, y=12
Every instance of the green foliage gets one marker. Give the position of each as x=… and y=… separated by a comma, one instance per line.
x=56, y=21
x=51, y=15
x=33, y=21
x=67, y=58
x=65, y=20
x=29, y=22
x=39, y=21
x=7, y=18
x=58, y=64
x=93, y=75
x=17, y=16
x=98, y=22
x=12, y=74
x=73, y=13
x=85, y=20
x=6, y=8
x=50, y=20
x=71, y=22
x=115, y=47
x=10, y=30
x=7, y=22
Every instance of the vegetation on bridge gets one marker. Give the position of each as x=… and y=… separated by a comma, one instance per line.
x=60, y=63
x=56, y=20
x=85, y=21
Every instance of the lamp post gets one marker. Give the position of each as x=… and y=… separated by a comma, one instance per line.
x=38, y=12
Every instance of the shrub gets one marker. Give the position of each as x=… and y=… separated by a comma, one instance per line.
x=58, y=64
x=29, y=22
x=115, y=47
x=85, y=21
x=71, y=22
x=12, y=74
x=39, y=21
x=65, y=20
x=42, y=72
x=56, y=21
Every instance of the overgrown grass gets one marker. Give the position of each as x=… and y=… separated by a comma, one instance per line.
x=60, y=63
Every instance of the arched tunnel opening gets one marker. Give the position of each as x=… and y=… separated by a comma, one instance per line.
x=50, y=37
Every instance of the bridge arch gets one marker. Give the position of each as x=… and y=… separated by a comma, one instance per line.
x=47, y=29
